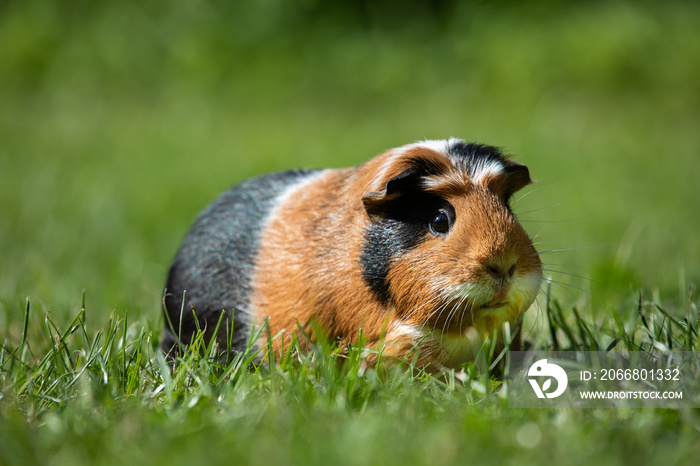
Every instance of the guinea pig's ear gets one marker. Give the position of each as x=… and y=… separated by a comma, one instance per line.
x=517, y=176
x=377, y=203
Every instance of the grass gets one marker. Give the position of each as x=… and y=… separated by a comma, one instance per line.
x=108, y=397
x=120, y=121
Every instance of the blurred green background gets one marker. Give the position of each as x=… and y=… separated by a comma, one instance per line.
x=119, y=121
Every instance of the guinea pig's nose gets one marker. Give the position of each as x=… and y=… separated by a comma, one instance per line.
x=500, y=272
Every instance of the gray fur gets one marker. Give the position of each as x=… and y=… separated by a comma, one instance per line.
x=215, y=263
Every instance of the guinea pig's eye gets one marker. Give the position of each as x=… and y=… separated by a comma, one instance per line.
x=440, y=223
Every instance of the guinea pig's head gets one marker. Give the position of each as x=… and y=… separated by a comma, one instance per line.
x=442, y=245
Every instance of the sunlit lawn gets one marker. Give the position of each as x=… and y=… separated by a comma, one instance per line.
x=119, y=122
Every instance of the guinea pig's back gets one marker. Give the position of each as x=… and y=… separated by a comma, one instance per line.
x=213, y=267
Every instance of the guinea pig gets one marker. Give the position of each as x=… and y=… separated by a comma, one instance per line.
x=417, y=248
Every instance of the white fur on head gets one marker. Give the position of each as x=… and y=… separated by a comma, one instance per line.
x=478, y=172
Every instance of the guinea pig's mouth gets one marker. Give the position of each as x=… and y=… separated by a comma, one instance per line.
x=461, y=314
x=494, y=305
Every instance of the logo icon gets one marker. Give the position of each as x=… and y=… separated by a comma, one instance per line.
x=542, y=368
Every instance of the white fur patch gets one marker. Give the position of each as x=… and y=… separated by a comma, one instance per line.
x=412, y=331
x=435, y=182
x=484, y=170
x=478, y=173
x=283, y=197
x=470, y=292
x=441, y=146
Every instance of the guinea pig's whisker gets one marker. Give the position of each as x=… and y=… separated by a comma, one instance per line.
x=439, y=310
x=442, y=335
x=542, y=232
x=564, y=286
x=558, y=204
x=552, y=221
x=458, y=306
x=568, y=285
x=450, y=315
x=549, y=251
x=464, y=299
x=530, y=191
x=572, y=275
x=430, y=304
x=429, y=301
x=573, y=266
x=537, y=322
x=464, y=313
x=439, y=313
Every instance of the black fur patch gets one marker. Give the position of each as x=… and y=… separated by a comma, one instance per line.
x=405, y=226
x=470, y=155
x=383, y=242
